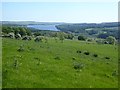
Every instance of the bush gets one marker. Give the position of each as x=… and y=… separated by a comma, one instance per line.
x=73, y=58
x=78, y=51
x=27, y=38
x=107, y=57
x=103, y=35
x=18, y=36
x=95, y=55
x=115, y=73
x=37, y=34
x=70, y=36
x=78, y=66
x=36, y=58
x=38, y=39
x=21, y=49
x=57, y=58
x=118, y=60
x=86, y=53
x=100, y=41
x=89, y=40
x=31, y=49
x=81, y=38
x=15, y=63
x=111, y=40
x=107, y=75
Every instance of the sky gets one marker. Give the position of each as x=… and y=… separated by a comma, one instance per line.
x=70, y=12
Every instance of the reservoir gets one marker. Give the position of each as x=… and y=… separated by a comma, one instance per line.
x=44, y=27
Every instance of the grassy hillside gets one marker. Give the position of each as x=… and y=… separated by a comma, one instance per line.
x=58, y=65
x=0, y=62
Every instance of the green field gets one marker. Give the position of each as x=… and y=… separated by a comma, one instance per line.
x=52, y=64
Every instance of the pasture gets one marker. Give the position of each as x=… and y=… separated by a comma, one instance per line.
x=29, y=64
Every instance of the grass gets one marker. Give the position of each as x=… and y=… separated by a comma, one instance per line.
x=0, y=63
x=51, y=65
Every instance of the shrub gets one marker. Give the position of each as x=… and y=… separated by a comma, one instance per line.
x=114, y=73
x=107, y=62
x=37, y=39
x=95, y=55
x=20, y=49
x=107, y=75
x=118, y=60
x=31, y=49
x=27, y=38
x=36, y=58
x=70, y=36
x=81, y=38
x=15, y=63
x=18, y=36
x=86, y=53
x=57, y=58
x=78, y=51
x=107, y=57
x=89, y=40
x=73, y=58
x=111, y=40
x=12, y=35
x=78, y=66
x=103, y=35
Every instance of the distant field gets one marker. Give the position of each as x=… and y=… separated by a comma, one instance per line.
x=58, y=65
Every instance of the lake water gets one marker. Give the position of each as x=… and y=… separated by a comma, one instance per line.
x=44, y=27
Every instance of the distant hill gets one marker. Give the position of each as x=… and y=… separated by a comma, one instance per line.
x=62, y=24
x=86, y=29
x=81, y=27
x=87, y=25
x=28, y=23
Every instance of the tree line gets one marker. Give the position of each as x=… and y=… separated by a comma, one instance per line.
x=16, y=30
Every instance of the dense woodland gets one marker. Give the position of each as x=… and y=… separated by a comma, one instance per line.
x=91, y=30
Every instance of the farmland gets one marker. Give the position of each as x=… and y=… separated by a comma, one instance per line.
x=58, y=65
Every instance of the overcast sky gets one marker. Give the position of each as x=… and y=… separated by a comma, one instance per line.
x=71, y=12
